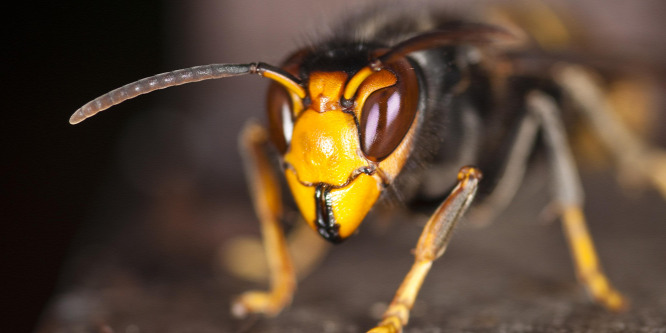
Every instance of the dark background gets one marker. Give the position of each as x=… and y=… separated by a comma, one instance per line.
x=73, y=197
x=55, y=55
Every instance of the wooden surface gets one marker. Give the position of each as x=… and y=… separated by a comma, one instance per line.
x=513, y=276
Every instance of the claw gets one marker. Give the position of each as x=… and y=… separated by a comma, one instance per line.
x=604, y=294
x=256, y=302
x=388, y=325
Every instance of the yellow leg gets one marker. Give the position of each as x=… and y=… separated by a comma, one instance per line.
x=244, y=256
x=585, y=259
x=431, y=245
x=569, y=195
x=268, y=205
x=397, y=315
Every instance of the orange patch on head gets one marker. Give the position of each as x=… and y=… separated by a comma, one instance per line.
x=326, y=89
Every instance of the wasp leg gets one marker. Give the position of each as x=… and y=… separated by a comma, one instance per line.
x=431, y=245
x=513, y=173
x=244, y=256
x=268, y=205
x=569, y=194
x=638, y=160
x=307, y=248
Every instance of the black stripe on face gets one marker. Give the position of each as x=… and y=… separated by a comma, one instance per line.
x=325, y=221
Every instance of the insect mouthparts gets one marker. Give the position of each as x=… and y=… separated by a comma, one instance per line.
x=325, y=220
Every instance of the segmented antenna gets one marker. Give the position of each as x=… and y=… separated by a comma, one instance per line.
x=458, y=33
x=183, y=76
x=159, y=81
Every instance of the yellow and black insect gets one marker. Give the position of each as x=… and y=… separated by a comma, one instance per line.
x=443, y=109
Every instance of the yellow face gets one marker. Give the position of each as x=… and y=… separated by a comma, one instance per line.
x=333, y=181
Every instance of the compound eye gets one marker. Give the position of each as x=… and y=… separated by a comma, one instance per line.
x=386, y=117
x=280, y=116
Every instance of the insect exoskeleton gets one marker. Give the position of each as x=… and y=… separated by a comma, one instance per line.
x=347, y=138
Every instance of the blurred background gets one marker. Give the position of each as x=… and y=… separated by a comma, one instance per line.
x=143, y=196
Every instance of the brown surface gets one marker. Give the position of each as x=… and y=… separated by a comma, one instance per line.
x=513, y=276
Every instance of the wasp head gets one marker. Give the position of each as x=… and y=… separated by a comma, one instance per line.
x=342, y=117
x=347, y=139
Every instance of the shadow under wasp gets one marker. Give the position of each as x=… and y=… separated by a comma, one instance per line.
x=401, y=103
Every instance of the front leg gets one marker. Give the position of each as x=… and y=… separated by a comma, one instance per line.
x=265, y=193
x=431, y=245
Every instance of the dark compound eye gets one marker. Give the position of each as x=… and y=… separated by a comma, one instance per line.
x=387, y=115
x=280, y=116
